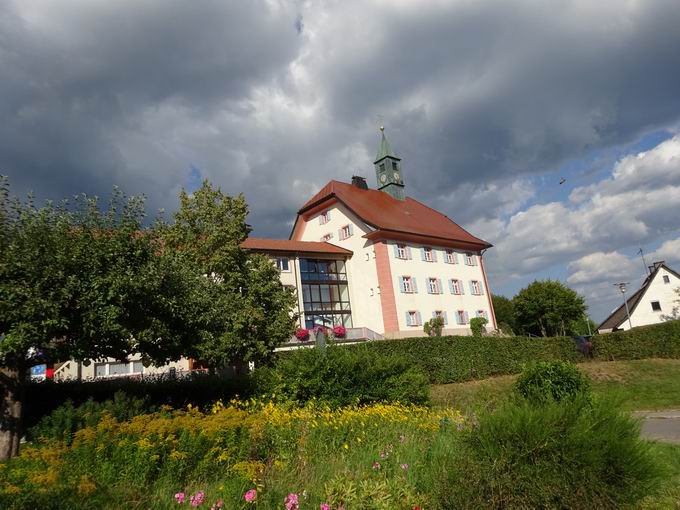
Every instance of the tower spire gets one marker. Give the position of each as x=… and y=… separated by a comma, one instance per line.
x=388, y=169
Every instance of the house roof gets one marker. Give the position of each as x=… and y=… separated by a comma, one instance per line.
x=619, y=315
x=286, y=245
x=391, y=216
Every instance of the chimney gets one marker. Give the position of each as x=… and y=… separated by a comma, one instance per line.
x=359, y=182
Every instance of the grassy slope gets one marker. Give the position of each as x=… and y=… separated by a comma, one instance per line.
x=639, y=385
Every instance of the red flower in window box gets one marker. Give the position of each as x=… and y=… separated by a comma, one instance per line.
x=339, y=331
x=302, y=334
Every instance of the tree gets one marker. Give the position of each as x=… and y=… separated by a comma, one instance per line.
x=77, y=282
x=504, y=311
x=434, y=326
x=252, y=312
x=547, y=308
x=477, y=326
x=675, y=312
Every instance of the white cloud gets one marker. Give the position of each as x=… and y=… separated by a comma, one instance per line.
x=601, y=267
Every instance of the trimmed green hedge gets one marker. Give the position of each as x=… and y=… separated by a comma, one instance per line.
x=657, y=341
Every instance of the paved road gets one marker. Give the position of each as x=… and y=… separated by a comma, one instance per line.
x=661, y=426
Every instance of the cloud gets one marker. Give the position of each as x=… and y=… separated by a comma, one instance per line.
x=601, y=267
x=669, y=252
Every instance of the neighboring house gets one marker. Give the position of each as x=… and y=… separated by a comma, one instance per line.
x=401, y=263
x=650, y=304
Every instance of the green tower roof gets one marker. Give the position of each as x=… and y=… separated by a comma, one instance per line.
x=384, y=150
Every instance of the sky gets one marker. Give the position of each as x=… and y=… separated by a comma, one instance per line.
x=489, y=103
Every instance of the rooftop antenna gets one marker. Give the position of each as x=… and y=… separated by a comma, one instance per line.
x=642, y=254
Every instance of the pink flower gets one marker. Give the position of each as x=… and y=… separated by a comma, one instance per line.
x=249, y=496
x=376, y=465
x=219, y=503
x=324, y=506
x=197, y=499
x=180, y=497
x=291, y=502
x=403, y=466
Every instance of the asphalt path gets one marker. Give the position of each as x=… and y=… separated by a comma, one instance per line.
x=661, y=425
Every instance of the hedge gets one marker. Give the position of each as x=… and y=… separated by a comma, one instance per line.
x=657, y=341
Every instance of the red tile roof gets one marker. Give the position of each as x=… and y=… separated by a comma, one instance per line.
x=285, y=245
x=383, y=212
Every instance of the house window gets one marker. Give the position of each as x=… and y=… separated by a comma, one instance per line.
x=428, y=255
x=345, y=232
x=451, y=257
x=394, y=165
x=475, y=288
x=327, y=237
x=666, y=279
x=461, y=317
x=482, y=313
x=382, y=167
x=283, y=264
x=433, y=286
x=470, y=259
x=324, y=217
x=412, y=318
x=325, y=293
x=656, y=306
x=118, y=369
x=455, y=287
x=442, y=315
x=408, y=284
x=402, y=252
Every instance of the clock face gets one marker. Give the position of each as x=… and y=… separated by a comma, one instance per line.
x=396, y=176
x=383, y=178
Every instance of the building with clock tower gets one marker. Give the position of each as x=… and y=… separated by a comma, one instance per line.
x=388, y=169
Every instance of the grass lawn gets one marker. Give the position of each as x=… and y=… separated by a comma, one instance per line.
x=639, y=385
x=668, y=495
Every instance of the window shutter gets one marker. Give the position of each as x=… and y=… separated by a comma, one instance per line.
x=351, y=229
x=415, y=286
x=474, y=259
x=446, y=319
x=328, y=215
x=422, y=254
x=402, y=284
x=461, y=286
x=340, y=234
x=396, y=251
x=481, y=289
x=420, y=320
x=434, y=255
x=434, y=314
x=472, y=288
x=439, y=286
x=408, y=253
x=467, y=318
x=321, y=219
x=455, y=257
x=429, y=286
x=408, y=319
x=451, y=286
x=458, y=318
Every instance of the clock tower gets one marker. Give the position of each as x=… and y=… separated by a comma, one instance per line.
x=388, y=169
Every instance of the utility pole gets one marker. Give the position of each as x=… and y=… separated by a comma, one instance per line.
x=622, y=288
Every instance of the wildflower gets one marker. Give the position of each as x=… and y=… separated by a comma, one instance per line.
x=403, y=466
x=219, y=503
x=180, y=497
x=384, y=455
x=402, y=438
x=249, y=496
x=376, y=465
x=197, y=499
x=324, y=506
x=291, y=502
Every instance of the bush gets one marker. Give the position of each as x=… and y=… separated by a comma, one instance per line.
x=571, y=454
x=657, y=341
x=434, y=326
x=477, y=326
x=65, y=420
x=343, y=376
x=552, y=381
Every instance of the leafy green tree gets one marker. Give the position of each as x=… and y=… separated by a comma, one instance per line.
x=252, y=310
x=583, y=326
x=548, y=308
x=477, y=325
x=85, y=281
x=675, y=312
x=434, y=326
x=504, y=311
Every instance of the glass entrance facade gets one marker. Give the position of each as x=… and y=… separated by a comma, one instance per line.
x=325, y=294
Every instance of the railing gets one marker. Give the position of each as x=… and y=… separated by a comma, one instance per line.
x=352, y=336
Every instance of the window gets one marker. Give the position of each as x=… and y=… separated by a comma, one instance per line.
x=455, y=287
x=462, y=317
x=324, y=217
x=428, y=255
x=451, y=257
x=666, y=279
x=475, y=288
x=326, y=238
x=434, y=286
x=382, y=167
x=482, y=313
x=441, y=314
x=345, y=232
x=283, y=264
x=656, y=306
x=325, y=295
x=118, y=369
x=408, y=285
x=413, y=318
x=470, y=259
x=401, y=251
x=394, y=165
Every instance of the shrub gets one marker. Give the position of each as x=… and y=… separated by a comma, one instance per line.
x=546, y=381
x=571, y=454
x=477, y=326
x=342, y=376
x=434, y=326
